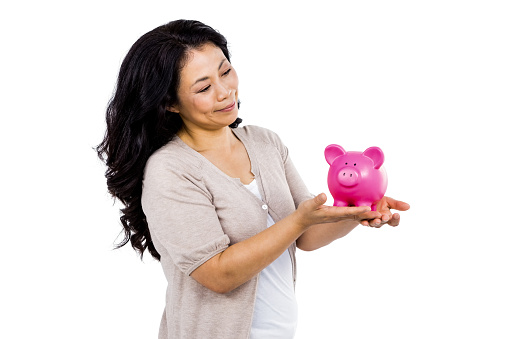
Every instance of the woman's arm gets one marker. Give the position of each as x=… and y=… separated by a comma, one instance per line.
x=320, y=235
x=242, y=261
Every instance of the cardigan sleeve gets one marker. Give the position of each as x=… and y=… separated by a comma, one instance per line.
x=298, y=188
x=180, y=214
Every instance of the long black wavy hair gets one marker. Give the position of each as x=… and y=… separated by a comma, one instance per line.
x=137, y=120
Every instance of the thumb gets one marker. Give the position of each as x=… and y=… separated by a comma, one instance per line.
x=320, y=199
x=398, y=205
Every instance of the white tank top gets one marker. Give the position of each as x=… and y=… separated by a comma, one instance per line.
x=275, y=310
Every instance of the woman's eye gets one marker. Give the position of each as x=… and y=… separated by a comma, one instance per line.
x=204, y=89
x=227, y=72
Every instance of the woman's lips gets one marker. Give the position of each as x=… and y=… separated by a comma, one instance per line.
x=228, y=108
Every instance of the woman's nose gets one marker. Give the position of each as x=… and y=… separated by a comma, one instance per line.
x=224, y=92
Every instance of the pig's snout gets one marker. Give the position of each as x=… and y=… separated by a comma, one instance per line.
x=348, y=177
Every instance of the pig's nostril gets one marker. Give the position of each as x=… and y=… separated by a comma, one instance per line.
x=348, y=177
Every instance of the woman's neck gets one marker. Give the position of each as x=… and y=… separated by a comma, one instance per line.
x=204, y=141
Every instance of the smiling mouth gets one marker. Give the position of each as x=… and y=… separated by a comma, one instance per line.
x=228, y=108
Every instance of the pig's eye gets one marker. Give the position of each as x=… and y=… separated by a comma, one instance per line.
x=346, y=163
x=355, y=164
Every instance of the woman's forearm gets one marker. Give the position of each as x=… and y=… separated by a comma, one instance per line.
x=320, y=235
x=242, y=261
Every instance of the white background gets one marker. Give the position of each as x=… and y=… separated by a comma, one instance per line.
x=427, y=81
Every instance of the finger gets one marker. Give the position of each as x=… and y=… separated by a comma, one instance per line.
x=359, y=211
x=368, y=223
x=397, y=205
x=371, y=215
x=356, y=213
x=394, y=220
x=386, y=216
x=368, y=218
x=377, y=223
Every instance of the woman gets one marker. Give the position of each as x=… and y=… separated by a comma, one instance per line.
x=221, y=207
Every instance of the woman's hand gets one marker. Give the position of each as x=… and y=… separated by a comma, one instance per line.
x=328, y=223
x=384, y=207
x=313, y=211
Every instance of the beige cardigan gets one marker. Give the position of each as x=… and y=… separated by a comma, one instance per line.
x=195, y=211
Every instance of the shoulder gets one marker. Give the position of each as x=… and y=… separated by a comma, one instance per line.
x=172, y=159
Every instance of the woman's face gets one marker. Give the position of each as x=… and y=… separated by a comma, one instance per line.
x=207, y=94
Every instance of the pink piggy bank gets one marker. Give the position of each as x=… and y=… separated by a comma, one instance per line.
x=355, y=178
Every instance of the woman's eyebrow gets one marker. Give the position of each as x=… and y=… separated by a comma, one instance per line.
x=205, y=78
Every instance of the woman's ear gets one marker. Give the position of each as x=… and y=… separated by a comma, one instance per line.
x=173, y=109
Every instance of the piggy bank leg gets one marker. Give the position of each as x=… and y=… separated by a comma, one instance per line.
x=367, y=203
x=340, y=203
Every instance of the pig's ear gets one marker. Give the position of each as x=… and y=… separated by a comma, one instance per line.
x=332, y=152
x=375, y=154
